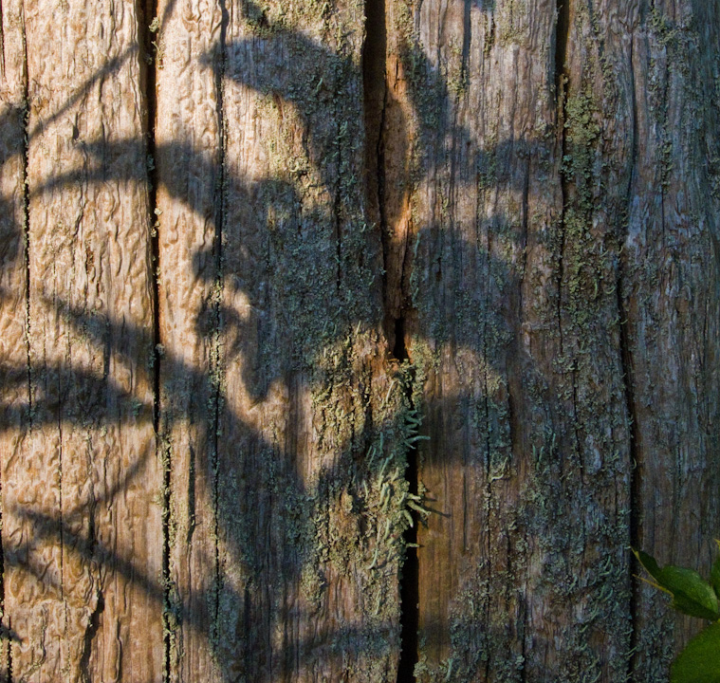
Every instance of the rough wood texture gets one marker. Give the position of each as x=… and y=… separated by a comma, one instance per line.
x=285, y=542
x=189, y=167
x=286, y=273
x=82, y=530
x=512, y=310
x=561, y=161
x=671, y=291
x=14, y=386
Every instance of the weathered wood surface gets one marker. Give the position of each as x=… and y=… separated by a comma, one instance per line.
x=264, y=246
x=13, y=282
x=563, y=162
x=82, y=528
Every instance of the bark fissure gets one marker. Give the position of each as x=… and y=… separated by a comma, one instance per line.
x=488, y=503
x=25, y=151
x=467, y=39
x=2, y=42
x=26, y=209
x=483, y=344
x=562, y=78
x=147, y=13
x=376, y=103
x=562, y=36
x=337, y=200
x=410, y=578
x=629, y=396
x=90, y=633
x=61, y=520
x=217, y=360
x=635, y=486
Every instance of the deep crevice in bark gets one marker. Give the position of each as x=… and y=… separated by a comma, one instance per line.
x=25, y=151
x=217, y=345
x=147, y=12
x=26, y=209
x=375, y=103
x=2, y=43
x=375, y=92
x=337, y=201
x=410, y=578
x=562, y=36
x=62, y=525
x=635, y=491
x=467, y=39
x=149, y=87
x=630, y=402
x=562, y=79
x=90, y=634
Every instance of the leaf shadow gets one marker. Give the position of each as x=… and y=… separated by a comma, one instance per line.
x=271, y=539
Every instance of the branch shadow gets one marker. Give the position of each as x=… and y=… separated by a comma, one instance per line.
x=271, y=539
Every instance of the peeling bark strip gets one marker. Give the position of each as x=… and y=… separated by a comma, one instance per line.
x=304, y=284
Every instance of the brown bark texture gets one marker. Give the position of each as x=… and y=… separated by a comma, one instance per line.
x=349, y=340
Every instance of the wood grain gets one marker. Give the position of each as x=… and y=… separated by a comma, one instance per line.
x=82, y=532
x=277, y=276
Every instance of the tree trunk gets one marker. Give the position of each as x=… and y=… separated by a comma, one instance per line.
x=355, y=341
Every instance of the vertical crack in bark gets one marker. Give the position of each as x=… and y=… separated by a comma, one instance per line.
x=487, y=503
x=218, y=295
x=467, y=40
x=5, y=627
x=26, y=208
x=337, y=189
x=410, y=578
x=375, y=103
x=635, y=497
x=61, y=521
x=513, y=419
x=630, y=402
x=150, y=85
x=2, y=42
x=90, y=633
x=94, y=621
x=147, y=12
x=562, y=77
x=562, y=36
x=376, y=99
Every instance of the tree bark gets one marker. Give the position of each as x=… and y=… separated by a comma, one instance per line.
x=355, y=341
x=82, y=528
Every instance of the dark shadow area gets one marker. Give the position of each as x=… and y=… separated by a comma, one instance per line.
x=292, y=277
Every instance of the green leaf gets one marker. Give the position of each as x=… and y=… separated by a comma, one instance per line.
x=715, y=573
x=699, y=662
x=691, y=593
x=648, y=564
